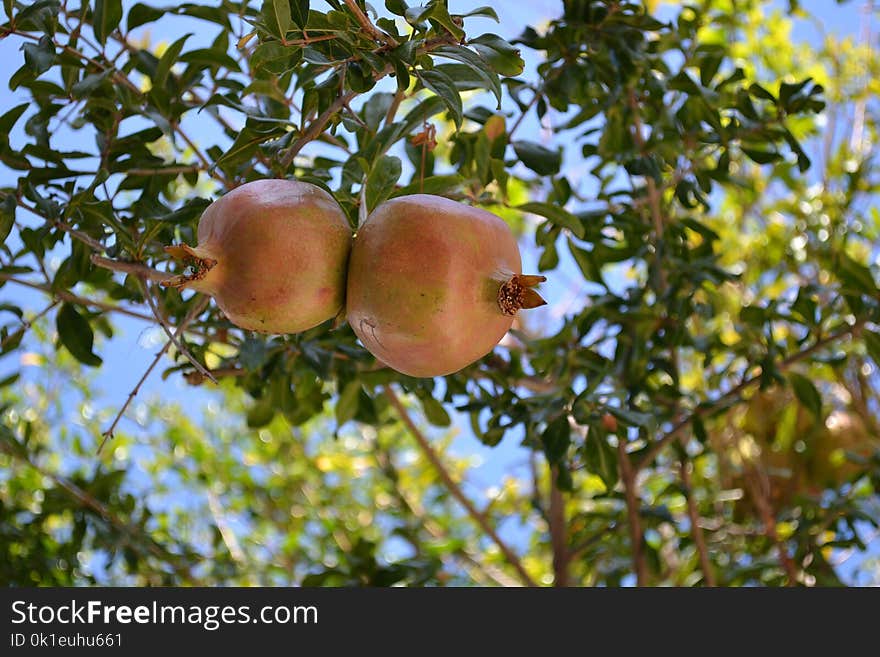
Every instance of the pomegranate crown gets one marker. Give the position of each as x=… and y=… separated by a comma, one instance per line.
x=516, y=293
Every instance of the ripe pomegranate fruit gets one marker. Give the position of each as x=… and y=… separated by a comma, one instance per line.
x=434, y=284
x=273, y=254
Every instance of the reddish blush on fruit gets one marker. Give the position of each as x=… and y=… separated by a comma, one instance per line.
x=273, y=254
x=433, y=284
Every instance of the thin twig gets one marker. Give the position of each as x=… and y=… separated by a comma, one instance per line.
x=696, y=529
x=64, y=295
x=769, y=520
x=523, y=114
x=226, y=533
x=165, y=171
x=708, y=409
x=26, y=324
x=653, y=194
x=368, y=26
x=197, y=308
x=142, y=542
x=389, y=468
x=628, y=478
x=455, y=489
x=134, y=268
x=88, y=240
x=584, y=545
x=315, y=128
x=163, y=322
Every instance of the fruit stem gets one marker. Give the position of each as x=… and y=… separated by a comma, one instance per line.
x=195, y=259
x=516, y=293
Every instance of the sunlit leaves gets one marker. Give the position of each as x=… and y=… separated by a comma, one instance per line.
x=501, y=56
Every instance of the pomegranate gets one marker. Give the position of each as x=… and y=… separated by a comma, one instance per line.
x=433, y=284
x=273, y=254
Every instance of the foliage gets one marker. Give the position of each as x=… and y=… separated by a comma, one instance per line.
x=692, y=176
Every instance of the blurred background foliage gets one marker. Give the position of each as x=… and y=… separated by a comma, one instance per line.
x=697, y=405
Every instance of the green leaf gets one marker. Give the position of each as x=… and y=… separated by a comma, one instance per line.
x=631, y=417
x=299, y=12
x=382, y=179
x=7, y=216
x=39, y=56
x=539, y=159
x=8, y=120
x=440, y=13
x=210, y=57
x=142, y=14
x=347, y=404
x=559, y=216
x=600, y=458
x=261, y=413
x=186, y=213
x=761, y=157
x=475, y=64
x=106, y=18
x=277, y=18
x=753, y=315
x=556, y=439
x=501, y=56
x=760, y=92
x=488, y=12
x=396, y=7
x=168, y=59
x=444, y=88
x=88, y=84
x=271, y=56
x=806, y=393
x=434, y=412
x=855, y=275
x=872, y=344
x=586, y=263
x=76, y=335
x=244, y=145
x=439, y=185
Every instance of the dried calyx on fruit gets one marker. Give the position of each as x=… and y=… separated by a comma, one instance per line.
x=272, y=253
x=433, y=284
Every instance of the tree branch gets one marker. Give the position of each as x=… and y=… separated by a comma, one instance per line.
x=315, y=128
x=64, y=295
x=197, y=308
x=388, y=467
x=696, y=529
x=455, y=489
x=142, y=542
x=628, y=477
x=558, y=533
x=769, y=520
x=708, y=409
x=163, y=322
x=134, y=268
x=368, y=26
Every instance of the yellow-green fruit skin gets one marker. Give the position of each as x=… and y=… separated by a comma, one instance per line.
x=423, y=281
x=282, y=249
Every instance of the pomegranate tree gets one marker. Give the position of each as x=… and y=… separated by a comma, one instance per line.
x=433, y=284
x=273, y=254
